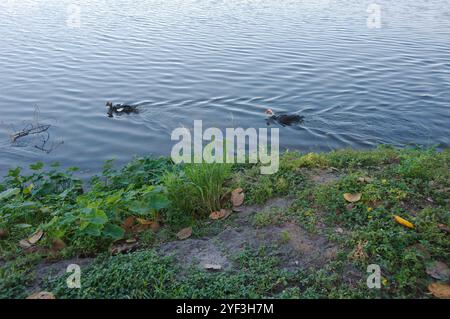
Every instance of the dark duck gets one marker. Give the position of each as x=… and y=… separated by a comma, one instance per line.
x=120, y=109
x=283, y=119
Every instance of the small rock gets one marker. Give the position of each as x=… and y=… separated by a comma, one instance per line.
x=213, y=267
x=438, y=270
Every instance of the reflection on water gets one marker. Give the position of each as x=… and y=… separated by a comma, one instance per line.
x=224, y=62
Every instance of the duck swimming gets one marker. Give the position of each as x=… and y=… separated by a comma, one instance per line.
x=120, y=109
x=283, y=119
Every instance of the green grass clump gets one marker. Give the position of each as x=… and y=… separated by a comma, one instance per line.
x=197, y=189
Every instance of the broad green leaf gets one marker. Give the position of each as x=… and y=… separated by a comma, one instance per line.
x=113, y=231
x=97, y=217
x=93, y=230
x=9, y=193
x=37, y=166
x=158, y=201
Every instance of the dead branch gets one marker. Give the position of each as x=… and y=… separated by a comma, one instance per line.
x=30, y=131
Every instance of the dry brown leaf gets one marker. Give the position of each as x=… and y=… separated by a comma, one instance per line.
x=440, y=290
x=57, y=244
x=35, y=237
x=359, y=252
x=155, y=226
x=24, y=244
x=444, y=228
x=123, y=248
x=352, y=198
x=140, y=227
x=218, y=214
x=237, y=197
x=438, y=270
x=365, y=179
x=128, y=223
x=42, y=295
x=184, y=233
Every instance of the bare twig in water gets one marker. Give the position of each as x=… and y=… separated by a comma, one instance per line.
x=45, y=139
x=30, y=131
x=38, y=130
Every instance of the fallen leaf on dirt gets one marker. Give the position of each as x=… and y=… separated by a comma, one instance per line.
x=218, y=214
x=359, y=253
x=444, y=228
x=237, y=197
x=123, y=248
x=222, y=214
x=403, y=222
x=440, y=290
x=42, y=295
x=3, y=233
x=128, y=223
x=57, y=244
x=155, y=226
x=365, y=179
x=212, y=267
x=184, y=233
x=352, y=198
x=24, y=244
x=35, y=237
x=438, y=270
x=146, y=225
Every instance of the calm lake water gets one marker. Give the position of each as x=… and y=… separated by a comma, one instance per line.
x=224, y=62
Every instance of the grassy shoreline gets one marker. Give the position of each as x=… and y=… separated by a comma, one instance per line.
x=125, y=224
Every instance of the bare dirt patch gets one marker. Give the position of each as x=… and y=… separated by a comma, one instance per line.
x=46, y=269
x=295, y=247
x=199, y=252
x=322, y=176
